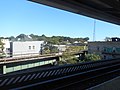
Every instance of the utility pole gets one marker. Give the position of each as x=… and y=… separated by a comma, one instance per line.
x=94, y=30
x=41, y=49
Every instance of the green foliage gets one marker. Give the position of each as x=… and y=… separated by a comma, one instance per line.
x=50, y=49
x=92, y=57
x=51, y=40
x=53, y=49
x=68, y=54
x=1, y=49
x=2, y=55
x=69, y=58
x=1, y=45
x=12, y=38
x=107, y=38
x=34, y=37
x=73, y=60
x=23, y=37
x=86, y=39
x=75, y=48
x=46, y=50
x=62, y=62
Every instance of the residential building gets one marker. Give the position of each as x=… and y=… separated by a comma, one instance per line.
x=6, y=46
x=61, y=48
x=25, y=48
x=106, y=49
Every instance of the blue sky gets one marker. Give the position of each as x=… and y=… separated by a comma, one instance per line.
x=22, y=16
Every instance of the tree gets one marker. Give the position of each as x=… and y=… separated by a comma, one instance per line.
x=1, y=49
x=51, y=40
x=107, y=38
x=69, y=58
x=86, y=38
x=46, y=50
x=75, y=49
x=34, y=37
x=12, y=38
x=1, y=45
x=92, y=57
x=53, y=49
x=23, y=37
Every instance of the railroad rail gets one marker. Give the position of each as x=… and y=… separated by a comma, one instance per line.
x=19, y=59
x=24, y=57
x=32, y=57
x=82, y=75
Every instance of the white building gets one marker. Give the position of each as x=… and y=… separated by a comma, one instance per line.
x=61, y=48
x=27, y=48
x=6, y=46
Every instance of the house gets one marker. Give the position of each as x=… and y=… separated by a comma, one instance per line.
x=61, y=48
x=25, y=48
x=106, y=49
x=6, y=45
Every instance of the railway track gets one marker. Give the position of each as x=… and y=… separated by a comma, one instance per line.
x=68, y=77
x=25, y=58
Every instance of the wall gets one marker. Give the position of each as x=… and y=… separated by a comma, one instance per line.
x=27, y=66
x=26, y=48
x=12, y=67
x=6, y=46
x=61, y=47
x=105, y=49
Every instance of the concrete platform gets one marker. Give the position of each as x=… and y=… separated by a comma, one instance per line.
x=113, y=84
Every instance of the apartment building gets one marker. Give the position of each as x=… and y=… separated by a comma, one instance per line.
x=106, y=49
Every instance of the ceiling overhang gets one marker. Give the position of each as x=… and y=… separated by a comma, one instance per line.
x=105, y=10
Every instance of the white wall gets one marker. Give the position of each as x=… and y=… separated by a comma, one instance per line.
x=27, y=47
x=61, y=47
x=6, y=46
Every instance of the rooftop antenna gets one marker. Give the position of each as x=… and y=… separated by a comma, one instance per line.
x=94, y=30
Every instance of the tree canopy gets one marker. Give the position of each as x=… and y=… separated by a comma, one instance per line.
x=92, y=57
x=51, y=40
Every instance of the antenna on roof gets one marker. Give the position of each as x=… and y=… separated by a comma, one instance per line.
x=94, y=30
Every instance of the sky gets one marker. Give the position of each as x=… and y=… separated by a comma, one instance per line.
x=22, y=16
